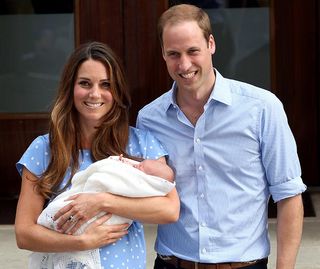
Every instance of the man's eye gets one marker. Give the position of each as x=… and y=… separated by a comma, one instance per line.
x=173, y=54
x=193, y=52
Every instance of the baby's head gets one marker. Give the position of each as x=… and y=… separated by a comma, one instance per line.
x=150, y=167
x=156, y=168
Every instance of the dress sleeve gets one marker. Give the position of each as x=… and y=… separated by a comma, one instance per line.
x=144, y=145
x=36, y=157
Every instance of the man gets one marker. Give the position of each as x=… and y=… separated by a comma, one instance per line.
x=231, y=148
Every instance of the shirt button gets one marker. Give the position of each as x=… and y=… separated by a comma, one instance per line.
x=203, y=224
x=202, y=195
x=198, y=140
x=200, y=168
x=204, y=250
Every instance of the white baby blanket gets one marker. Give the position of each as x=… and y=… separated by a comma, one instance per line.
x=107, y=175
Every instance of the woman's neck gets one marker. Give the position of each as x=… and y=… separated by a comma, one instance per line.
x=87, y=135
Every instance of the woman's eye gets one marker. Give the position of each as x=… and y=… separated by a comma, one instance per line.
x=106, y=85
x=84, y=83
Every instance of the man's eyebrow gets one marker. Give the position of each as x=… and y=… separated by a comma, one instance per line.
x=194, y=48
x=169, y=49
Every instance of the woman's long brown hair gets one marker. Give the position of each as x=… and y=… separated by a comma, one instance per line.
x=112, y=135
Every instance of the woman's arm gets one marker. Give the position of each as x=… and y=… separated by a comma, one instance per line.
x=157, y=209
x=34, y=237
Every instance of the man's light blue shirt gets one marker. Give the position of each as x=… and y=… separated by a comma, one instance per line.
x=240, y=152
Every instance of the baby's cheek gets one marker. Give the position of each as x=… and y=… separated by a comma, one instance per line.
x=140, y=167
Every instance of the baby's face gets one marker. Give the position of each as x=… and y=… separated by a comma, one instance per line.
x=147, y=166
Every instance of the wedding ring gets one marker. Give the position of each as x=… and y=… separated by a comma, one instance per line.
x=72, y=219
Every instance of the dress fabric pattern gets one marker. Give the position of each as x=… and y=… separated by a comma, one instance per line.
x=129, y=252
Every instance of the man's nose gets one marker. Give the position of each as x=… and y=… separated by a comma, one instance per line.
x=184, y=63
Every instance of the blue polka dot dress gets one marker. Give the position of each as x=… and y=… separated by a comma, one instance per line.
x=129, y=252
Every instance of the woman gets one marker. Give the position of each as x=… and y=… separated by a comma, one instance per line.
x=89, y=122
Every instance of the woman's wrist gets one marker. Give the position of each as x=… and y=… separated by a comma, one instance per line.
x=78, y=242
x=105, y=200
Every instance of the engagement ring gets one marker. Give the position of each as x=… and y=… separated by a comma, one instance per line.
x=72, y=219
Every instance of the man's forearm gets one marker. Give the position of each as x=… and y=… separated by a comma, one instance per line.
x=289, y=231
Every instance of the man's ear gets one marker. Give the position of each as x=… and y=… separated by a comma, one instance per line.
x=163, y=54
x=212, y=44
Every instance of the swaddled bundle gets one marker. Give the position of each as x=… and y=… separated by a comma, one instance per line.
x=107, y=175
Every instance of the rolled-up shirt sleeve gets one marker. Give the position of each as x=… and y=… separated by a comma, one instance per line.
x=287, y=189
x=279, y=152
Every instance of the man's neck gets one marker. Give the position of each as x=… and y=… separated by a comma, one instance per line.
x=197, y=98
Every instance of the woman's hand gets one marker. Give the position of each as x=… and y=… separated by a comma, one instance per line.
x=97, y=234
x=82, y=208
x=35, y=237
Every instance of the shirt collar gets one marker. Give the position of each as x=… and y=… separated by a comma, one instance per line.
x=170, y=99
x=221, y=92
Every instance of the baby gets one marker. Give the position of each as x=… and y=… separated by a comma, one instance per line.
x=116, y=175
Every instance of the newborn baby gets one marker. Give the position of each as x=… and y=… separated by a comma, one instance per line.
x=116, y=175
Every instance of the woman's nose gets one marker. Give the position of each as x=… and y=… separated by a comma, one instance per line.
x=94, y=91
